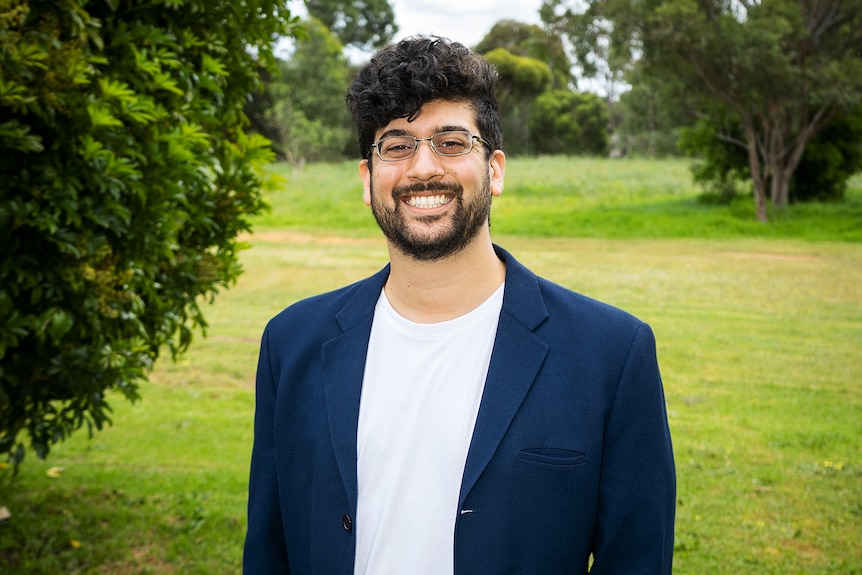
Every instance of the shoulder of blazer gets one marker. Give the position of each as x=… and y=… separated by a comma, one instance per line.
x=346, y=305
x=532, y=299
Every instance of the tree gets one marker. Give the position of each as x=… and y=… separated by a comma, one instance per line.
x=783, y=68
x=261, y=101
x=831, y=157
x=591, y=39
x=531, y=41
x=364, y=24
x=522, y=79
x=565, y=122
x=302, y=108
x=313, y=83
x=644, y=122
x=719, y=166
x=127, y=176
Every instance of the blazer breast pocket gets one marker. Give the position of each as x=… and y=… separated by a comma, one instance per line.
x=553, y=456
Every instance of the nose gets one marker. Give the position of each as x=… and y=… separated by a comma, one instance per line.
x=425, y=163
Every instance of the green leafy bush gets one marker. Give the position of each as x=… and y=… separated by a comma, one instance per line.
x=126, y=177
x=721, y=168
x=570, y=123
x=522, y=79
x=830, y=159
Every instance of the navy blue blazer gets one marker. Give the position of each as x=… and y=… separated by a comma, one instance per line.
x=570, y=457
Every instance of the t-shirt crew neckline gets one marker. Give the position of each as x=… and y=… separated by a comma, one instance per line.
x=490, y=307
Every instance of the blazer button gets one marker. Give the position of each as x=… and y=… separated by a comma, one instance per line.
x=347, y=522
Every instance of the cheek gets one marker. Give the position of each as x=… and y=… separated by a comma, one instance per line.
x=383, y=181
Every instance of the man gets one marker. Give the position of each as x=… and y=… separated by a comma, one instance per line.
x=453, y=413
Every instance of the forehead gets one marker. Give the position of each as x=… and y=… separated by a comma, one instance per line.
x=435, y=116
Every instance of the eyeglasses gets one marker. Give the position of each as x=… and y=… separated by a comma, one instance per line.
x=447, y=144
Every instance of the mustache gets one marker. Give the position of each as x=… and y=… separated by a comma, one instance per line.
x=424, y=187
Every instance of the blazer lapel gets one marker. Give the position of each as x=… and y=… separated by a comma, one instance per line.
x=343, y=360
x=516, y=359
x=517, y=356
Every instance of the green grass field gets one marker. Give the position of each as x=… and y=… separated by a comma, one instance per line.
x=759, y=330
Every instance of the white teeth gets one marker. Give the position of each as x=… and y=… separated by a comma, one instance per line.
x=426, y=201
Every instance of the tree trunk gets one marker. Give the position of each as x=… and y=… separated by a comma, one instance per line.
x=780, y=192
x=760, y=200
x=756, y=175
x=782, y=172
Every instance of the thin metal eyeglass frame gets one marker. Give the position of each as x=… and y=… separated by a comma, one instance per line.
x=430, y=140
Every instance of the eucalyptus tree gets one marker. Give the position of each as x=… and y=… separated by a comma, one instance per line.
x=782, y=69
x=307, y=113
x=531, y=41
x=364, y=24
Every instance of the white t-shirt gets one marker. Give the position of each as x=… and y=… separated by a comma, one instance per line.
x=420, y=395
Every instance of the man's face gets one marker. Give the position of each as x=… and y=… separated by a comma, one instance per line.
x=430, y=206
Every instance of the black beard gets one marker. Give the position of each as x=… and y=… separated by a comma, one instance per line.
x=466, y=221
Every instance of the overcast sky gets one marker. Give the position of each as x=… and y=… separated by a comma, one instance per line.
x=465, y=21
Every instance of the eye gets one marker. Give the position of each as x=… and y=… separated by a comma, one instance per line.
x=451, y=145
x=396, y=146
x=451, y=142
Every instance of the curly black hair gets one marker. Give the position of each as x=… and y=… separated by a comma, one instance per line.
x=403, y=77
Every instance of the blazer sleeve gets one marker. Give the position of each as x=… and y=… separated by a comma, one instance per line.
x=637, y=493
x=265, y=551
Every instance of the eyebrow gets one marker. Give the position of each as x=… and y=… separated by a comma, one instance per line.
x=402, y=132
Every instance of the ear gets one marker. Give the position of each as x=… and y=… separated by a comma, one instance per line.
x=497, y=169
x=365, y=175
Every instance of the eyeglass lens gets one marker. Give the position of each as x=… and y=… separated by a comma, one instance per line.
x=443, y=143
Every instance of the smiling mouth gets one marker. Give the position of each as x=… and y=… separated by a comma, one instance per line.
x=427, y=202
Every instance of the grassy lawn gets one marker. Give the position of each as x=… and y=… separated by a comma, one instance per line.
x=562, y=197
x=759, y=331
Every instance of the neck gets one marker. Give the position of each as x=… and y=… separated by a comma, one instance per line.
x=431, y=292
